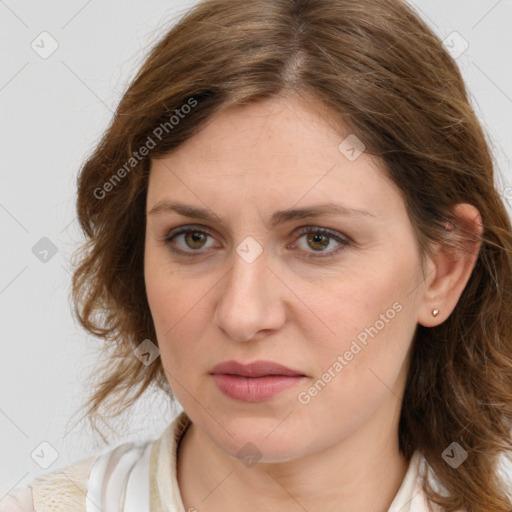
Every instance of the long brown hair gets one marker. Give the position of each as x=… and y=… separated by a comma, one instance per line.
x=381, y=69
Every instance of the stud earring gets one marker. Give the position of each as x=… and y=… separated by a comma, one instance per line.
x=435, y=312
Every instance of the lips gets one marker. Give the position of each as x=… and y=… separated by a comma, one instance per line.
x=254, y=382
x=255, y=369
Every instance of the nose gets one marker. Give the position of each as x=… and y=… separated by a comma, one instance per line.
x=250, y=302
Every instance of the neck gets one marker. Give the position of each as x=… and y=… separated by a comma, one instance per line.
x=363, y=472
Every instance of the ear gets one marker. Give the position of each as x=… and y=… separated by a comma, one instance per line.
x=451, y=265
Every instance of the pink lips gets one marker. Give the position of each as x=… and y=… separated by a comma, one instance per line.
x=254, y=382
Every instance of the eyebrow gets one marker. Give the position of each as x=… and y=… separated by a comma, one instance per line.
x=278, y=217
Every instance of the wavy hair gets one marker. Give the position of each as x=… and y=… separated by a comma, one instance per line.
x=377, y=66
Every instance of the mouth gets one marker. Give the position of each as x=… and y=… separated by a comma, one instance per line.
x=254, y=382
x=256, y=369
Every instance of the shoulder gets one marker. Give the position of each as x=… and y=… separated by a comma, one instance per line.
x=19, y=500
x=70, y=488
x=419, y=501
x=132, y=472
x=62, y=489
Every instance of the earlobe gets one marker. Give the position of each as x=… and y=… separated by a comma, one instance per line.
x=454, y=260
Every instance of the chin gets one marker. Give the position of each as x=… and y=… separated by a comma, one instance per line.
x=258, y=439
x=262, y=450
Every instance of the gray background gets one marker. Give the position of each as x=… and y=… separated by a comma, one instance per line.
x=53, y=113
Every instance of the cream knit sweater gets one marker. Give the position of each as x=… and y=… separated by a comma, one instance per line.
x=65, y=490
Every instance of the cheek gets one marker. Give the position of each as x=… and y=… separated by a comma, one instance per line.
x=348, y=307
x=179, y=312
x=171, y=306
x=169, y=294
x=366, y=318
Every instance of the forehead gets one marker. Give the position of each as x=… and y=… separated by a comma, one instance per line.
x=276, y=152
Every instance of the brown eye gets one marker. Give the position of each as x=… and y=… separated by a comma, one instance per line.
x=319, y=239
x=188, y=241
x=195, y=239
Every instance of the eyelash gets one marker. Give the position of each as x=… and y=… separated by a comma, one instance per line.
x=344, y=241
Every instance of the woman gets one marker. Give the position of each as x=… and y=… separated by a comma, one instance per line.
x=293, y=230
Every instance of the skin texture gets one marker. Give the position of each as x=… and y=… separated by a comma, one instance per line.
x=339, y=451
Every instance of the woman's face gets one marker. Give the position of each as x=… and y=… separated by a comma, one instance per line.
x=338, y=307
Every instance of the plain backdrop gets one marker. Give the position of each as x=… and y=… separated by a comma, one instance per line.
x=54, y=109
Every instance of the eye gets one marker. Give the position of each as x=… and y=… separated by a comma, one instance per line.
x=316, y=238
x=193, y=239
x=320, y=239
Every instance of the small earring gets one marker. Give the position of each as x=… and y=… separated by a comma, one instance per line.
x=435, y=312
